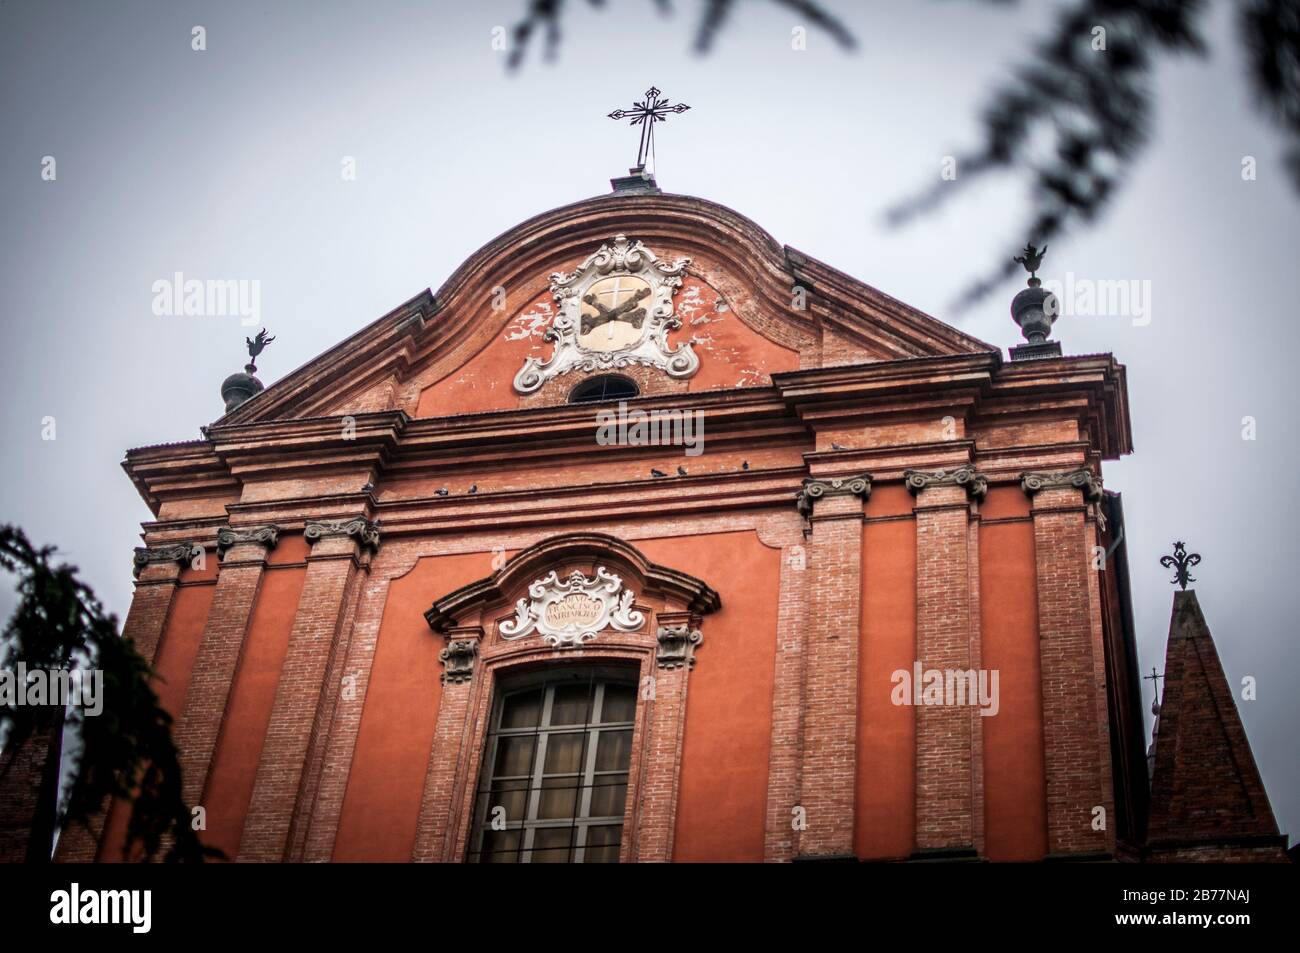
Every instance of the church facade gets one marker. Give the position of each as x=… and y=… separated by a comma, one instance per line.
x=647, y=538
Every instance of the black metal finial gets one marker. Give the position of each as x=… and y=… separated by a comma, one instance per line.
x=1181, y=561
x=654, y=108
x=1155, y=684
x=1031, y=258
x=255, y=347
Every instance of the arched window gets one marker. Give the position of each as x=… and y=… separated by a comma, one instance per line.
x=604, y=387
x=555, y=768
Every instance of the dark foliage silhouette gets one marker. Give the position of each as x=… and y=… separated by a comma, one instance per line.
x=127, y=750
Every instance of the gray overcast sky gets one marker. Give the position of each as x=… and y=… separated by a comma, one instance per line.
x=226, y=164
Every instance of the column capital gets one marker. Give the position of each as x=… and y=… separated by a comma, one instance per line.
x=976, y=484
x=1081, y=478
x=178, y=553
x=815, y=488
x=364, y=531
x=264, y=536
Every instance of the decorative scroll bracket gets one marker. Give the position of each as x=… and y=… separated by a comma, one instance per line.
x=676, y=647
x=458, y=661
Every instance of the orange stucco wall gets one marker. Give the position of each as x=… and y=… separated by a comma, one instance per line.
x=1014, y=785
x=248, y=711
x=382, y=804
x=886, y=777
x=722, y=798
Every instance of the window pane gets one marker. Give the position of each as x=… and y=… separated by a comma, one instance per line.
x=608, y=795
x=511, y=796
x=500, y=847
x=564, y=753
x=541, y=769
x=602, y=844
x=571, y=704
x=614, y=751
x=558, y=798
x=522, y=710
x=551, y=845
x=620, y=703
x=514, y=755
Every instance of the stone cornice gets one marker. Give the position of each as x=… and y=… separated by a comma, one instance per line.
x=364, y=531
x=786, y=414
x=264, y=536
x=1081, y=478
x=975, y=483
x=815, y=489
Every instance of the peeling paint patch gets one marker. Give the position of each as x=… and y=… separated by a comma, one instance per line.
x=531, y=323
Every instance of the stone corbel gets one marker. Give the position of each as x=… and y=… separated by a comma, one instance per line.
x=1082, y=478
x=364, y=531
x=459, y=655
x=976, y=484
x=264, y=536
x=458, y=660
x=676, y=648
x=180, y=553
x=814, y=489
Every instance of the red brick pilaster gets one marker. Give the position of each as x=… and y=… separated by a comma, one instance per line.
x=434, y=833
x=155, y=586
x=1075, y=756
x=830, y=714
x=239, y=578
x=787, y=707
x=665, y=724
x=279, y=811
x=945, y=733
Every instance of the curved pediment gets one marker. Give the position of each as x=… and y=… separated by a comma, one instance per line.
x=546, y=561
x=677, y=293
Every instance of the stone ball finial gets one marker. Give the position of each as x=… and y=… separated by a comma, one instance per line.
x=238, y=388
x=1035, y=310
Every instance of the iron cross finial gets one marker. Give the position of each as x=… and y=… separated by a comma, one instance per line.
x=654, y=108
x=1181, y=562
x=1154, y=679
